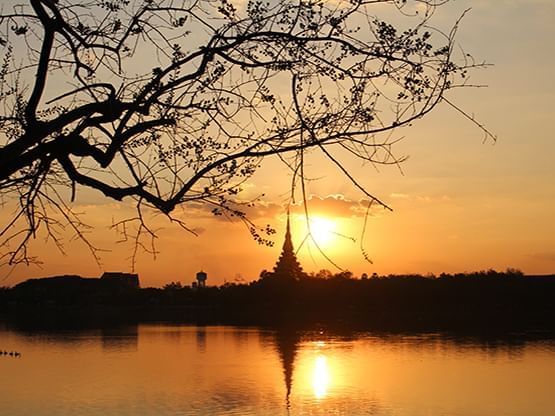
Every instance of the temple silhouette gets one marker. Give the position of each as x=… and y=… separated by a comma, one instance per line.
x=287, y=266
x=287, y=343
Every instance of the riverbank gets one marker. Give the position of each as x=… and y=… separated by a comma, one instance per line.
x=485, y=304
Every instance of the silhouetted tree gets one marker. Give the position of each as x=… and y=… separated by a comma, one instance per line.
x=173, y=286
x=512, y=272
x=173, y=102
x=343, y=275
x=324, y=274
x=264, y=274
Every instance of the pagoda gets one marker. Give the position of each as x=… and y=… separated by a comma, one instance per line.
x=287, y=266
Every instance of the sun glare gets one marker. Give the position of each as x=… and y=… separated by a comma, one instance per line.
x=320, y=377
x=322, y=230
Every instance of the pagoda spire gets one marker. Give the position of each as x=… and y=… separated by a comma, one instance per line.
x=288, y=243
x=287, y=266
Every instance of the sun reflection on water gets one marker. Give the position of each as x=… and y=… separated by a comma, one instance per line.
x=320, y=377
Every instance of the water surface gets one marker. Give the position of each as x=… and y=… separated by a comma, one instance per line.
x=187, y=370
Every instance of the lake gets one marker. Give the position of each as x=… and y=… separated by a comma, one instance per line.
x=189, y=370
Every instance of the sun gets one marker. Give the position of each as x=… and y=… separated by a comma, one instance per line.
x=322, y=230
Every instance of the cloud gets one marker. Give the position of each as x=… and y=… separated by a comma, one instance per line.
x=335, y=205
x=253, y=211
x=420, y=198
x=195, y=214
x=398, y=195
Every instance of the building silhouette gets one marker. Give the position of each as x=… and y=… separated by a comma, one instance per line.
x=201, y=279
x=287, y=266
x=125, y=279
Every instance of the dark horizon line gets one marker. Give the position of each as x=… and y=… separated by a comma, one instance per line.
x=321, y=274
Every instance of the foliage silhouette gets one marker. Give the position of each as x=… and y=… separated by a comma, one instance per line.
x=178, y=102
x=487, y=301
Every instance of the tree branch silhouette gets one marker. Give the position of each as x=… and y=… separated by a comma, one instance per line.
x=169, y=102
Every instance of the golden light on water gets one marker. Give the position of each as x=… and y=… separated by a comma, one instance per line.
x=319, y=374
x=320, y=377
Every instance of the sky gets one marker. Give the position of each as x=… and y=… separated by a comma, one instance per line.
x=459, y=203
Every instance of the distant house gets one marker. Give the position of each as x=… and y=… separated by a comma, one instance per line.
x=129, y=279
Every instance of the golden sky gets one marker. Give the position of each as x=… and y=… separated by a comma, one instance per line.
x=458, y=205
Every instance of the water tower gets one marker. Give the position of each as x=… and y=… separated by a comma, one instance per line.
x=201, y=279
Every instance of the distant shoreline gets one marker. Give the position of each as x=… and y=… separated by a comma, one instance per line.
x=477, y=303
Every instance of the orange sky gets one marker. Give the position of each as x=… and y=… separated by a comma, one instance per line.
x=459, y=205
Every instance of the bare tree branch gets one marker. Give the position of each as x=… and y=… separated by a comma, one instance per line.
x=170, y=102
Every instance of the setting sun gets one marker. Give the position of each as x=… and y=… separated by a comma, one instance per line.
x=322, y=231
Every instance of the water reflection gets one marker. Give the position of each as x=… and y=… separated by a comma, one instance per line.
x=287, y=343
x=320, y=377
x=201, y=339
x=187, y=370
x=120, y=338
